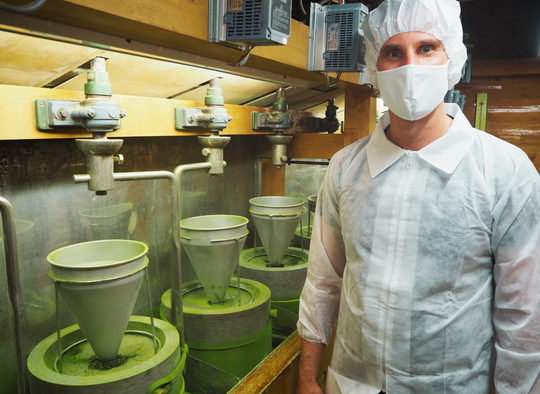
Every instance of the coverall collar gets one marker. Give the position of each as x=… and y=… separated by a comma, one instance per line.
x=444, y=153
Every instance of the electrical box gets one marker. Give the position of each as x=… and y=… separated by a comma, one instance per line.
x=253, y=22
x=336, y=40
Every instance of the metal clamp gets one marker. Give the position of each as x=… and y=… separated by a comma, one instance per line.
x=261, y=121
x=230, y=239
x=207, y=118
x=276, y=215
x=74, y=114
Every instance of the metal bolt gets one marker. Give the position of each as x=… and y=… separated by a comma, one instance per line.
x=264, y=120
x=42, y=124
x=283, y=159
x=230, y=118
x=89, y=112
x=123, y=114
x=114, y=113
x=212, y=118
x=90, y=76
x=41, y=104
x=191, y=119
x=205, y=152
x=62, y=113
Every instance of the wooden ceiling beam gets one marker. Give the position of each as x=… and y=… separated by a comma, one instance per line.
x=146, y=117
x=181, y=25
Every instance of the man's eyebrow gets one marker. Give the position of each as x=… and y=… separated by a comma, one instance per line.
x=387, y=47
x=426, y=41
x=430, y=41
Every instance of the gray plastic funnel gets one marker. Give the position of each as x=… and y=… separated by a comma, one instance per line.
x=213, y=244
x=276, y=219
x=99, y=282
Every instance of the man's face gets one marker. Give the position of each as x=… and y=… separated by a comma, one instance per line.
x=411, y=48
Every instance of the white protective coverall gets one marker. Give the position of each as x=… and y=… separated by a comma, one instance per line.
x=424, y=253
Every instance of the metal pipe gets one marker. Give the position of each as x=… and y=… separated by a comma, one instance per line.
x=176, y=293
x=14, y=285
x=300, y=161
x=177, y=319
x=24, y=8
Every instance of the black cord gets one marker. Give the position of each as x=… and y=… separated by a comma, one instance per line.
x=24, y=8
x=301, y=3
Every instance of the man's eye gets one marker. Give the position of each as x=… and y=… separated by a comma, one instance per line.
x=426, y=49
x=393, y=54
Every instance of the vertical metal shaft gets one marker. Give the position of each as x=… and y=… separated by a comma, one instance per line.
x=154, y=339
x=302, y=233
x=58, y=328
x=238, y=272
x=14, y=285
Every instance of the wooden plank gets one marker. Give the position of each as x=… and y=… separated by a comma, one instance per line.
x=360, y=112
x=320, y=99
x=513, y=103
x=315, y=146
x=277, y=374
x=180, y=25
x=501, y=68
x=137, y=76
x=147, y=117
x=70, y=66
x=26, y=61
x=236, y=90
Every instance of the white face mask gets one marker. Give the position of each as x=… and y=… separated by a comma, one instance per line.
x=413, y=91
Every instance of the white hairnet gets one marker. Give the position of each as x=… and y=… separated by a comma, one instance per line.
x=440, y=18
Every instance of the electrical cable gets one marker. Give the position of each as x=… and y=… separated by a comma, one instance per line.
x=374, y=91
x=301, y=4
x=243, y=59
x=24, y=8
x=335, y=81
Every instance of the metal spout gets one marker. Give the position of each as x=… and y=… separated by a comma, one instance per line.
x=100, y=154
x=213, y=150
x=279, y=148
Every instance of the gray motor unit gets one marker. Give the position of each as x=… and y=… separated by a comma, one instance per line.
x=336, y=41
x=255, y=22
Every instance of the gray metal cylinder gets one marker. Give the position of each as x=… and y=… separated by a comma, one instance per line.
x=286, y=282
x=100, y=169
x=214, y=326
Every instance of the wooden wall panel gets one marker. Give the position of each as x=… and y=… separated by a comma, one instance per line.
x=513, y=102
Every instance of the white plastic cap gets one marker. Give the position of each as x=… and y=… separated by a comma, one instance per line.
x=440, y=18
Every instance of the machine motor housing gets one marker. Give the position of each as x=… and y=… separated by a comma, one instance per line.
x=253, y=22
x=336, y=40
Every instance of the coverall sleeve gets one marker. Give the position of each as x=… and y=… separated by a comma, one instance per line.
x=319, y=301
x=516, y=318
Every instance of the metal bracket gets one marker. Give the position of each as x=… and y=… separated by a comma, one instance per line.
x=264, y=121
x=214, y=118
x=330, y=122
x=70, y=114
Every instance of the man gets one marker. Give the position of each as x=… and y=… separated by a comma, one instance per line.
x=426, y=237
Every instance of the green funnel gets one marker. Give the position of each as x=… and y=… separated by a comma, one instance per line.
x=99, y=282
x=213, y=244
